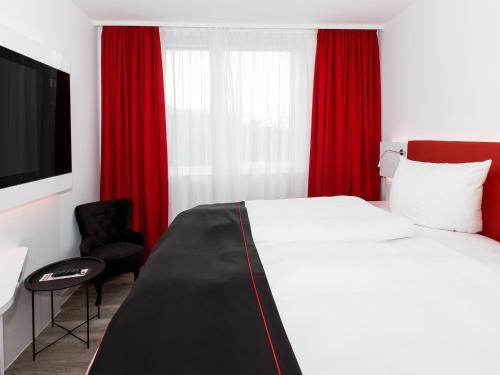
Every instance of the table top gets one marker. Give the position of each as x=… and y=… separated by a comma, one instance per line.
x=94, y=265
x=11, y=265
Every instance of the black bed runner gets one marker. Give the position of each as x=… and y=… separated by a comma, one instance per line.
x=202, y=305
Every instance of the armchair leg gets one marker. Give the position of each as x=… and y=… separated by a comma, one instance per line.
x=136, y=274
x=98, y=288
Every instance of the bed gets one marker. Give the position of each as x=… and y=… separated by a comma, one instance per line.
x=316, y=286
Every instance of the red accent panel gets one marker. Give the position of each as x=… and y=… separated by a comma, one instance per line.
x=346, y=119
x=463, y=152
x=257, y=297
x=134, y=140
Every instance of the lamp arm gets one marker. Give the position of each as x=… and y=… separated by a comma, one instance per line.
x=401, y=152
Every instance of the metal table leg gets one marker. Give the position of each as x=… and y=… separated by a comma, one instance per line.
x=52, y=307
x=56, y=324
x=33, y=323
x=87, y=292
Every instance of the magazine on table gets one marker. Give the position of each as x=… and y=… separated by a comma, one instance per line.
x=62, y=275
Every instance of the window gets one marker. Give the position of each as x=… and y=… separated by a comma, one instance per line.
x=238, y=108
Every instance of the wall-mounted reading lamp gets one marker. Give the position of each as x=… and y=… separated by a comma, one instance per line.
x=401, y=152
x=390, y=152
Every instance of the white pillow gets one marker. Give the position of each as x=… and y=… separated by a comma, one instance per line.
x=440, y=195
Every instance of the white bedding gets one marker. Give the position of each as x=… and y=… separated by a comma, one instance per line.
x=423, y=305
x=324, y=219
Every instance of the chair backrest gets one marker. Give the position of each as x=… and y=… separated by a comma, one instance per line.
x=104, y=218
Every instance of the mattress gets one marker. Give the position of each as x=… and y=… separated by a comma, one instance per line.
x=429, y=304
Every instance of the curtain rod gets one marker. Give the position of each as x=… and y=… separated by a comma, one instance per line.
x=238, y=25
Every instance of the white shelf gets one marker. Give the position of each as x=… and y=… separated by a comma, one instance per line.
x=12, y=261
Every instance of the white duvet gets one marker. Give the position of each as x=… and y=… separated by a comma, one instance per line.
x=324, y=219
x=355, y=299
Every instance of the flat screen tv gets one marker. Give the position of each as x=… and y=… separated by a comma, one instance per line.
x=35, y=120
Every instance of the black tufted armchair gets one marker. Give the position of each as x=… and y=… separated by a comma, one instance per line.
x=106, y=234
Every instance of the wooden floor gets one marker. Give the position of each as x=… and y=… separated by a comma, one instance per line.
x=70, y=356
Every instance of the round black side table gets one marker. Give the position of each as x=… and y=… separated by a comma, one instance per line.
x=94, y=265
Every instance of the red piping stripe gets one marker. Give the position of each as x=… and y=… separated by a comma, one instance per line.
x=257, y=295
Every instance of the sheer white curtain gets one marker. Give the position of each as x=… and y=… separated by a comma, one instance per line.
x=238, y=114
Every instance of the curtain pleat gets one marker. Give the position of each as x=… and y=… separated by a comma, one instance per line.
x=133, y=134
x=346, y=117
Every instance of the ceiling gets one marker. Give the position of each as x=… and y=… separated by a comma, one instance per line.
x=254, y=12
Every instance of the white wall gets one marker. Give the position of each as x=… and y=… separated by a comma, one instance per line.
x=441, y=71
x=47, y=226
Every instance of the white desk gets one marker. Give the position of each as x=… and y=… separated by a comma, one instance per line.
x=11, y=265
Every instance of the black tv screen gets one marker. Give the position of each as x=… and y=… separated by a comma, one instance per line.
x=35, y=120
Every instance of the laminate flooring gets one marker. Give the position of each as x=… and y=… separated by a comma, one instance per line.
x=70, y=356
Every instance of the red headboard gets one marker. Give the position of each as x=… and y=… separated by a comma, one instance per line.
x=463, y=152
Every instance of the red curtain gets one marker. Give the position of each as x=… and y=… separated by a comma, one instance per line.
x=133, y=137
x=346, y=118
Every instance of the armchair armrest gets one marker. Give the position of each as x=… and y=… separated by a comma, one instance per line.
x=91, y=243
x=134, y=237
x=88, y=244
